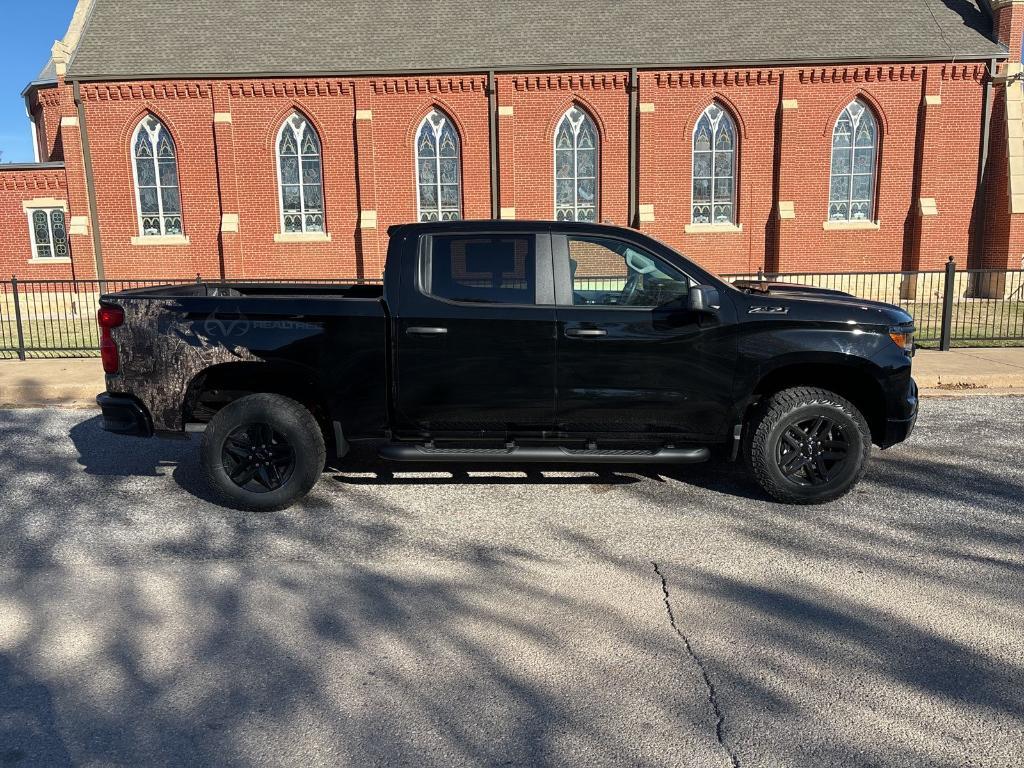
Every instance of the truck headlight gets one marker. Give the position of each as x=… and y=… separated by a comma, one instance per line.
x=903, y=337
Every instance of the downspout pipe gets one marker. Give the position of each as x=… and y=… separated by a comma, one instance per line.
x=980, y=192
x=90, y=182
x=492, y=127
x=634, y=147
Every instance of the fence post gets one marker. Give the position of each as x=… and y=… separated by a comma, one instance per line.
x=17, y=318
x=947, y=305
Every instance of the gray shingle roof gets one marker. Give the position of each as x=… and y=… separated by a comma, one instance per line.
x=48, y=74
x=154, y=38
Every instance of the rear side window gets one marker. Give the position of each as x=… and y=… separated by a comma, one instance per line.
x=488, y=269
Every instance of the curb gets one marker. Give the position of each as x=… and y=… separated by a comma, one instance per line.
x=969, y=390
x=48, y=397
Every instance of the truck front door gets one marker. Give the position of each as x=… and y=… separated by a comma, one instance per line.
x=475, y=335
x=631, y=356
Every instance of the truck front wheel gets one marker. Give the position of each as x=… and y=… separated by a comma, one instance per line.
x=807, y=446
x=262, y=452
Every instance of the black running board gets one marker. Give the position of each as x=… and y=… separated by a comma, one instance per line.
x=410, y=452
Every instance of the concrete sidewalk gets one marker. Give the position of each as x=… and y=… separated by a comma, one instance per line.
x=71, y=383
x=74, y=383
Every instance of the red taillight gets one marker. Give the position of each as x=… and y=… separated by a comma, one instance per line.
x=109, y=317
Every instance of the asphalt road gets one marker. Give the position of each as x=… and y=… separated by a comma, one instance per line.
x=503, y=618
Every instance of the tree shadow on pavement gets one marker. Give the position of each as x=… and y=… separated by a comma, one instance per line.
x=430, y=621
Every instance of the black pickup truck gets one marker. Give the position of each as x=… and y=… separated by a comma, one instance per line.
x=512, y=342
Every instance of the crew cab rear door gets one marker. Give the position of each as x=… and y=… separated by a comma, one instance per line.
x=475, y=334
x=632, y=357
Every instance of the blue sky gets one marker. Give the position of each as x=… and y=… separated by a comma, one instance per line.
x=27, y=31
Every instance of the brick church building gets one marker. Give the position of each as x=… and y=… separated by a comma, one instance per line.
x=264, y=138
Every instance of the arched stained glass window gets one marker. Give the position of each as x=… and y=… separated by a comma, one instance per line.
x=155, y=167
x=576, y=186
x=299, y=176
x=714, y=168
x=854, y=158
x=438, y=188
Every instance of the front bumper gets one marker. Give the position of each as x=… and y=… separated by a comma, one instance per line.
x=899, y=429
x=124, y=415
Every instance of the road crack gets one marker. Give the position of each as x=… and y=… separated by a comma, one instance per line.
x=712, y=693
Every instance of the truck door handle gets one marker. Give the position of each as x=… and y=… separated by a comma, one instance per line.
x=420, y=330
x=585, y=332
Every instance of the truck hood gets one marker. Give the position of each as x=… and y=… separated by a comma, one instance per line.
x=826, y=300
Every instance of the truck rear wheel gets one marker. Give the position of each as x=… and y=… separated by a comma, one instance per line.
x=262, y=452
x=808, y=446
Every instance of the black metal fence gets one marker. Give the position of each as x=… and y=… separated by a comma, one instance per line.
x=57, y=318
x=950, y=307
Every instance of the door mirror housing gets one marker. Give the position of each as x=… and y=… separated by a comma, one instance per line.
x=704, y=299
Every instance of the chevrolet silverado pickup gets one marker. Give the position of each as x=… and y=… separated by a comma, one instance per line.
x=512, y=342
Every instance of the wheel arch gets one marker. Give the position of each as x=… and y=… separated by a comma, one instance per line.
x=218, y=385
x=857, y=381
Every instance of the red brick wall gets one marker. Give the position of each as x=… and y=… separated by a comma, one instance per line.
x=17, y=186
x=538, y=103
x=258, y=111
x=398, y=107
x=46, y=110
x=1004, y=233
x=1009, y=27
x=951, y=167
x=666, y=160
x=368, y=164
x=112, y=112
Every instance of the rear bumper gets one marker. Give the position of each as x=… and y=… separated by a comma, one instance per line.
x=124, y=415
x=899, y=429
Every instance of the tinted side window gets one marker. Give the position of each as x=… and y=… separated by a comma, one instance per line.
x=490, y=269
x=611, y=273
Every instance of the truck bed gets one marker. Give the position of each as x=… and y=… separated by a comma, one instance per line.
x=255, y=290
x=327, y=339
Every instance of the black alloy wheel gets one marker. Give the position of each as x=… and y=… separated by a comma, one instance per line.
x=807, y=445
x=262, y=452
x=258, y=458
x=812, y=451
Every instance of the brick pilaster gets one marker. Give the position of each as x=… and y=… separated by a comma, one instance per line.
x=80, y=223
x=928, y=250
x=506, y=147
x=227, y=179
x=787, y=252
x=370, y=244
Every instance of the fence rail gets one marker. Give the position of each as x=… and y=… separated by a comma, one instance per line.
x=950, y=307
x=57, y=318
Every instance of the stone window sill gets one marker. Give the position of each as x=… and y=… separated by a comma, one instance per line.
x=161, y=240
x=302, y=237
x=840, y=226
x=713, y=229
x=51, y=260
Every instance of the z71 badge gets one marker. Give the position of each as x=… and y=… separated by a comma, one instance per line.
x=763, y=310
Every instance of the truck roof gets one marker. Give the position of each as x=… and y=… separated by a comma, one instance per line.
x=516, y=225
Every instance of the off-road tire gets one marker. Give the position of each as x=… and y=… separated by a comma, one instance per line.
x=288, y=419
x=780, y=411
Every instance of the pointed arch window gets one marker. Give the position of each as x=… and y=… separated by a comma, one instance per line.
x=854, y=163
x=714, y=168
x=155, y=170
x=576, y=185
x=299, y=176
x=438, y=181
